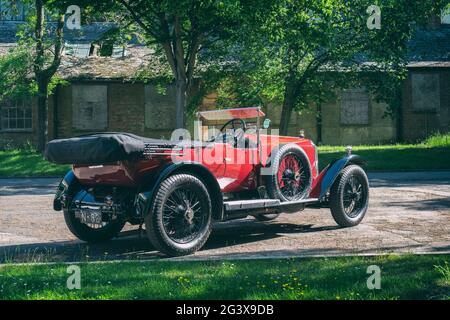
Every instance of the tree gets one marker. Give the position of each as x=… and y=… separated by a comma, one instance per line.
x=29, y=69
x=179, y=30
x=298, y=51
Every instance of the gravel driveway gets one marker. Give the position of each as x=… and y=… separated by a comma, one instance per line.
x=409, y=212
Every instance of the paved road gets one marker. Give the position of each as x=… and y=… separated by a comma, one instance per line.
x=409, y=212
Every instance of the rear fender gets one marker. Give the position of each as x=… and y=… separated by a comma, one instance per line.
x=66, y=185
x=146, y=195
x=333, y=169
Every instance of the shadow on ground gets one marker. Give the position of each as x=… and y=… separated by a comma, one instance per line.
x=134, y=245
x=422, y=205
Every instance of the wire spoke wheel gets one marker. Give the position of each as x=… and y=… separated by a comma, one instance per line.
x=349, y=196
x=292, y=178
x=353, y=198
x=184, y=217
x=180, y=219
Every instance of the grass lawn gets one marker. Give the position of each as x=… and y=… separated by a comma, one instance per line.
x=432, y=154
x=24, y=163
x=393, y=157
x=402, y=277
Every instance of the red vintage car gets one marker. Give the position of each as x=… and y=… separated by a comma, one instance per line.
x=179, y=187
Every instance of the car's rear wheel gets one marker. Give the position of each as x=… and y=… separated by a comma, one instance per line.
x=180, y=219
x=93, y=233
x=291, y=174
x=349, y=196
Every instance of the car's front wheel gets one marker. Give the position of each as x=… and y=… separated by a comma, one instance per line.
x=179, y=222
x=291, y=174
x=349, y=196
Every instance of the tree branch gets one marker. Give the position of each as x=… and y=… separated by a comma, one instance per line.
x=166, y=43
x=39, y=34
x=138, y=19
x=59, y=42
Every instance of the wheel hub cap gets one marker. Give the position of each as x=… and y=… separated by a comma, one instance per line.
x=189, y=215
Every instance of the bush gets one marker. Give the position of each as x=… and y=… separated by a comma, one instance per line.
x=438, y=140
x=10, y=145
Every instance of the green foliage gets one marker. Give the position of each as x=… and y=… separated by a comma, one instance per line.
x=444, y=270
x=303, y=50
x=438, y=140
x=16, y=72
x=16, y=67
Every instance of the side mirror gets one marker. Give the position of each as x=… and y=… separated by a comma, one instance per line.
x=266, y=124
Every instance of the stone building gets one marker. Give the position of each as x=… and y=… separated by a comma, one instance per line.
x=103, y=94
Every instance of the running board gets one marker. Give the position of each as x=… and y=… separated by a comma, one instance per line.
x=263, y=204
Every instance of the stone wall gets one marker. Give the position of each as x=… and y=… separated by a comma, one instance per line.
x=143, y=110
x=131, y=107
x=378, y=129
x=426, y=103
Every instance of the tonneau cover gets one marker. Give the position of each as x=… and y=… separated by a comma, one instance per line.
x=100, y=148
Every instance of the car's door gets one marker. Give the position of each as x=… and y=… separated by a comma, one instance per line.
x=239, y=167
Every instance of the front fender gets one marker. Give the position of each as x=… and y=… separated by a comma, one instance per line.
x=147, y=193
x=65, y=186
x=333, y=170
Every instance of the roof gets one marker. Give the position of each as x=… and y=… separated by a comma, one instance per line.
x=427, y=49
x=429, y=64
x=138, y=62
x=89, y=33
x=228, y=114
x=430, y=45
x=138, y=59
x=5, y=47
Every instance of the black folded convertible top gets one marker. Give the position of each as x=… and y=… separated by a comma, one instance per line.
x=99, y=148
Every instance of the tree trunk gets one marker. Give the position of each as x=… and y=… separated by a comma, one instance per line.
x=180, y=117
x=288, y=105
x=44, y=74
x=42, y=116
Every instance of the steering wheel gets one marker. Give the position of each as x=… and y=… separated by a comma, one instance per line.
x=237, y=134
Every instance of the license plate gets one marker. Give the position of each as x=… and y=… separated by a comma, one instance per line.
x=89, y=216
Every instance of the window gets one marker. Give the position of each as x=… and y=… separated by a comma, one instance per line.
x=445, y=16
x=15, y=11
x=425, y=91
x=84, y=50
x=79, y=50
x=90, y=107
x=355, y=107
x=16, y=116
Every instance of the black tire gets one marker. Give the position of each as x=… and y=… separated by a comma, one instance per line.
x=279, y=184
x=349, y=196
x=169, y=218
x=267, y=217
x=91, y=235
